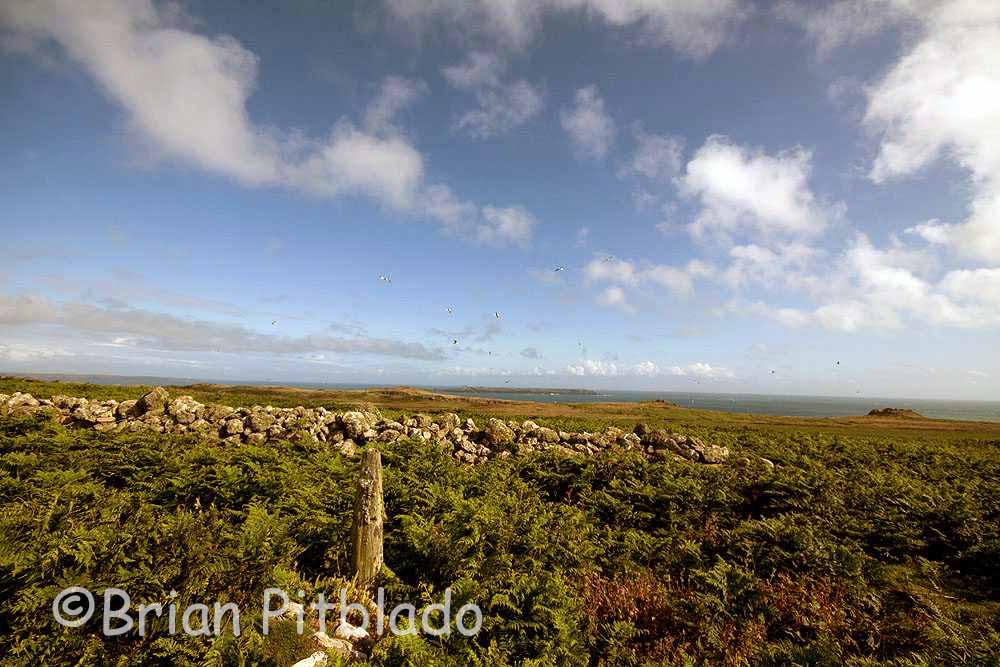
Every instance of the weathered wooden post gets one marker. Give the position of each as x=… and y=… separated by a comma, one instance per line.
x=369, y=513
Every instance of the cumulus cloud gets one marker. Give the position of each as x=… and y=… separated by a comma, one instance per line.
x=657, y=157
x=871, y=288
x=591, y=130
x=502, y=105
x=615, y=297
x=186, y=95
x=703, y=371
x=845, y=21
x=941, y=99
x=680, y=280
x=395, y=94
x=593, y=367
x=648, y=369
x=139, y=328
x=693, y=27
x=506, y=225
x=745, y=191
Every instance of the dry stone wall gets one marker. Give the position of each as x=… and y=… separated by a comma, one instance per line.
x=469, y=442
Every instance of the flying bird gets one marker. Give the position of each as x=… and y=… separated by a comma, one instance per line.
x=454, y=342
x=609, y=258
x=450, y=310
x=559, y=268
x=273, y=322
x=497, y=313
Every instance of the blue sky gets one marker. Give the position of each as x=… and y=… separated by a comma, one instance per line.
x=738, y=195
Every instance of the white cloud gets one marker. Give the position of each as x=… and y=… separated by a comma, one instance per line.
x=750, y=192
x=186, y=95
x=593, y=367
x=942, y=100
x=976, y=285
x=18, y=352
x=590, y=128
x=678, y=279
x=869, y=288
x=703, y=371
x=693, y=27
x=657, y=157
x=145, y=329
x=395, y=94
x=502, y=105
x=845, y=21
x=611, y=270
x=506, y=225
x=615, y=297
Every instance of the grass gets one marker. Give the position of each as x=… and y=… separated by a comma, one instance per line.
x=872, y=543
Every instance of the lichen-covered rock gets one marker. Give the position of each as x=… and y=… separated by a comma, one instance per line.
x=153, y=402
x=548, y=435
x=259, y=422
x=125, y=409
x=233, y=426
x=355, y=424
x=497, y=433
x=184, y=409
x=217, y=413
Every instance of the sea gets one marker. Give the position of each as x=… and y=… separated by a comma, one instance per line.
x=763, y=404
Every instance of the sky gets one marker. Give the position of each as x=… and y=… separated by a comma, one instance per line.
x=717, y=195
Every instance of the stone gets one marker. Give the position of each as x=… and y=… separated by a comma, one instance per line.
x=389, y=435
x=217, y=413
x=714, y=454
x=125, y=409
x=234, y=427
x=348, y=448
x=450, y=421
x=259, y=422
x=341, y=647
x=351, y=633
x=153, y=402
x=184, y=409
x=498, y=433
x=355, y=424
x=317, y=659
x=641, y=429
x=256, y=439
x=548, y=435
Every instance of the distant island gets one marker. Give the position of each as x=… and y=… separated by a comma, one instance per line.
x=520, y=390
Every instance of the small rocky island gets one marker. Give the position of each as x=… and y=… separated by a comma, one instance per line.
x=896, y=412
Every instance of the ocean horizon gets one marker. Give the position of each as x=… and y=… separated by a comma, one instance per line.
x=790, y=405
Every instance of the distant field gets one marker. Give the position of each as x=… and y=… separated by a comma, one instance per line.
x=874, y=542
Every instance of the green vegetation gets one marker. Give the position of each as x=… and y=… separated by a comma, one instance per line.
x=866, y=545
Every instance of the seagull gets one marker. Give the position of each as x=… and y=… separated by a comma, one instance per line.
x=559, y=268
x=384, y=278
x=506, y=381
x=497, y=313
x=450, y=310
x=454, y=342
x=772, y=372
x=609, y=258
x=273, y=322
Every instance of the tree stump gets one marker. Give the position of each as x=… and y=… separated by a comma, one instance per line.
x=369, y=514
